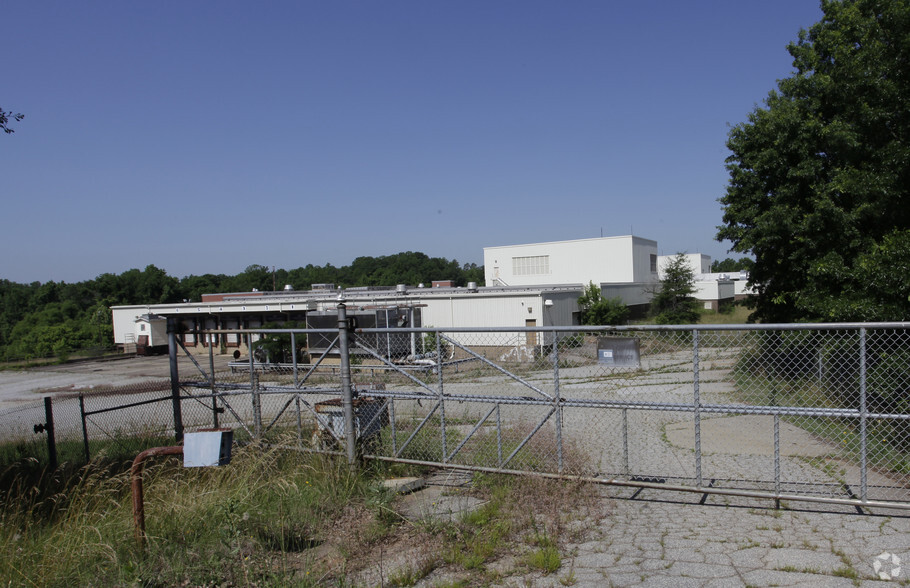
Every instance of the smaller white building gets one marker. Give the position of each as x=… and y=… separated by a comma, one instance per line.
x=711, y=294
x=740, y=280
x=150, y=331
x=711, y=290
x=699, y=263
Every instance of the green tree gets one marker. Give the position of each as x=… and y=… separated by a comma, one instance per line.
x=874, y=289
x=730, y=265
x=258, y=277
x=600, y=311
x=429, y=341
x=819, y=175
x=276, y=347
x=5, y=117
x=193, y=287
x=674, y=304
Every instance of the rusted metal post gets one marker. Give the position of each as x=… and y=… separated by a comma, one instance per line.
x=138, y=500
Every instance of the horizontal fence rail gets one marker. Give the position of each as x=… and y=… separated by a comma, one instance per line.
x=815, y=412
x=808, y=412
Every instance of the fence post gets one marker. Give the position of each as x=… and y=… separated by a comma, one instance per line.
x=257, y=406
x=49, y=427
x=175, y=380
x=294, y=359
x=777, y=460
x=498, y=436
x=442, y=401
x=697, y=400
x=84, y=428
x=346, y=392
x=254, y=391
x=214, y=392
x=299, y=423
x=625, y=442
x=557, y=401
x=863, y=414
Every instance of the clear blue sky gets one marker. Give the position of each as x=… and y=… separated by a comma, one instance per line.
x=203, y=137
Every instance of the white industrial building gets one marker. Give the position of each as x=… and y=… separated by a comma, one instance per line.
x=442, y=307
x=530, y=285
x=625, y=267
x=606, y=260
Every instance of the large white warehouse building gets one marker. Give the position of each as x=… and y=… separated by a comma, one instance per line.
x=529, y=285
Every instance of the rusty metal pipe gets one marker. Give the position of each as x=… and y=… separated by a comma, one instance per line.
x=136, y=472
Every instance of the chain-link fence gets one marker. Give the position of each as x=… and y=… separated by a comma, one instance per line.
x=812, y=412
x=816, y=412
x=115, y=423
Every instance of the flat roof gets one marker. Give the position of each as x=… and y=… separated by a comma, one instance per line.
x=281, y=298
x=633, y=237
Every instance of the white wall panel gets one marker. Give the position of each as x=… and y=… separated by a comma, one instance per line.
x=605, y=259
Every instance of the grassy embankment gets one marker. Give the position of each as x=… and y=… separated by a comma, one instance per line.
x=270, y=518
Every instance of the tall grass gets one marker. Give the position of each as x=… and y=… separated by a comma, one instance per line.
x=242, y=524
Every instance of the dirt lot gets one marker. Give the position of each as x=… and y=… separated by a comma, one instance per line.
x=30, y=385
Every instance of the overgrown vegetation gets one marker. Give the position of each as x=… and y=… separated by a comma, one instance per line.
x=238, y=524
x=597, y=310
x=278, y=347
x=821, y=369
x=674, y=304
x=271, y=517
x=526, y=520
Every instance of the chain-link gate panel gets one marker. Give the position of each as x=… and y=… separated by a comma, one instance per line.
x=815, y=412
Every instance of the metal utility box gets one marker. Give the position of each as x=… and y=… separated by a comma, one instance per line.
x=619, y=351
x=370, y=415
x=207, y=448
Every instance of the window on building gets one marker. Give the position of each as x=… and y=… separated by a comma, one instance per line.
x=530, y=266
x=653, y=263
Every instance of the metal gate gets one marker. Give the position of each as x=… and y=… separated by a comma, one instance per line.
x=787, y=412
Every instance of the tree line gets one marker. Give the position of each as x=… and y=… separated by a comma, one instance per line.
x=57, y=318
